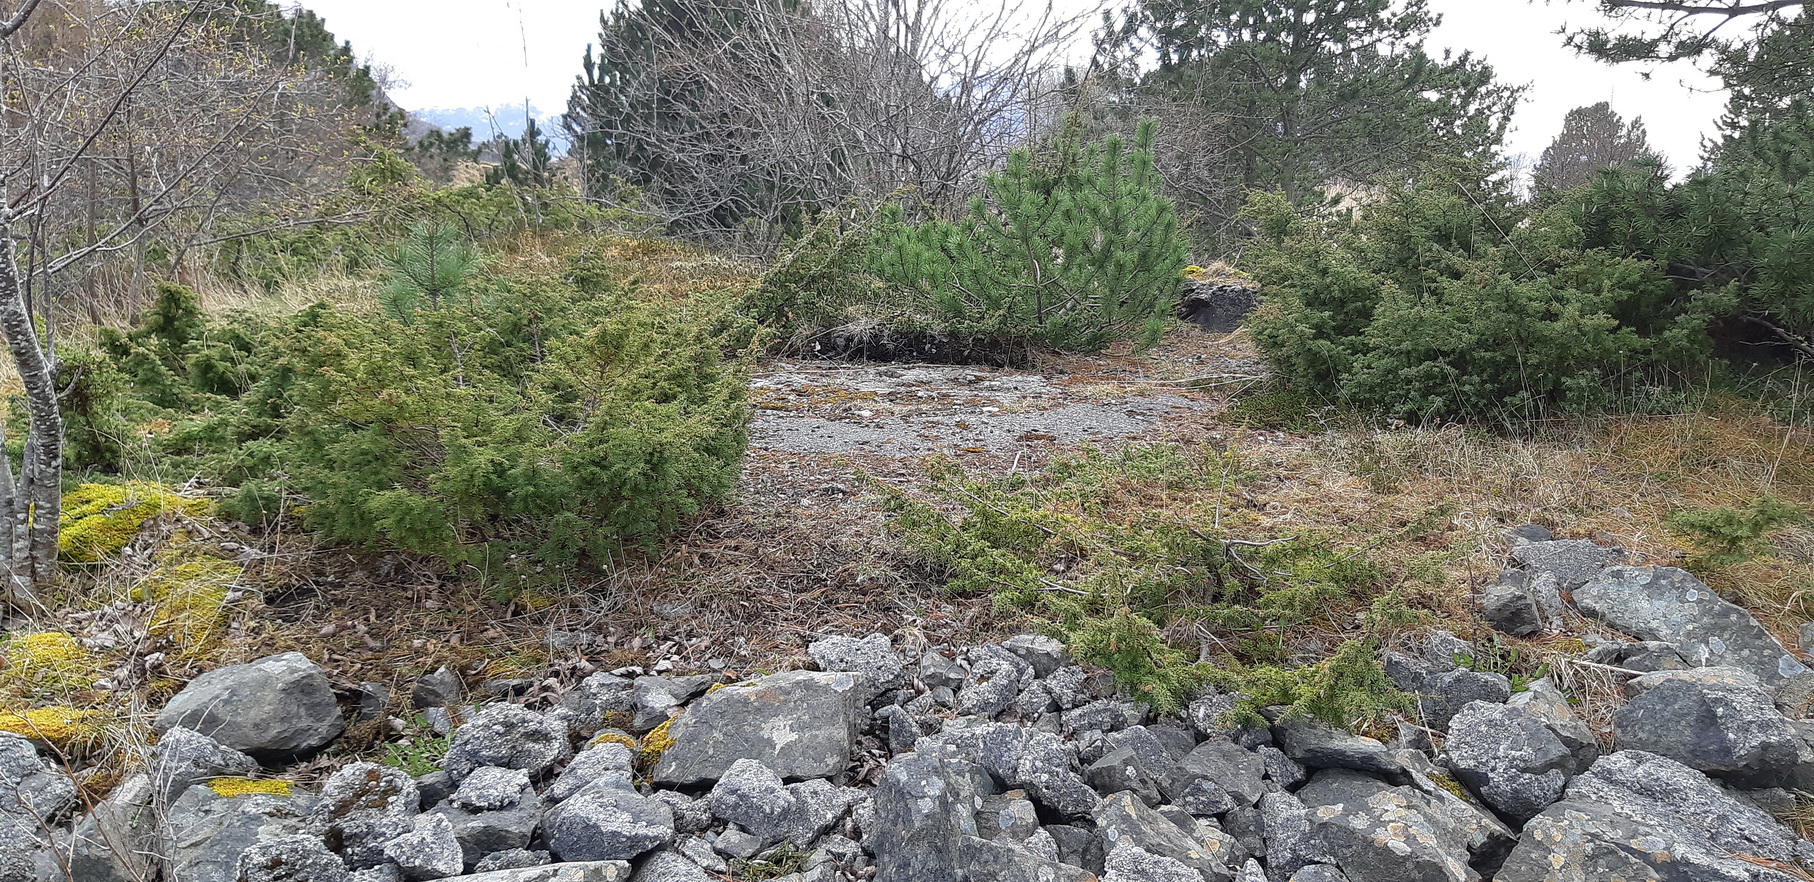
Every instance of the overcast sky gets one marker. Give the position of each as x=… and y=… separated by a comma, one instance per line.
x=496, y=53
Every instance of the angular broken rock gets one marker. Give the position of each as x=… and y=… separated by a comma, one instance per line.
x=1380, y=833
x=1123, y=820
x=581, y=871
x=873, y=657
x=1640, y=816
x=1509, y=758
x=1573, y=562
x=1714, y=720
x=276, y=708
x=508, y=736
x=1672, y=606
x=800, y=724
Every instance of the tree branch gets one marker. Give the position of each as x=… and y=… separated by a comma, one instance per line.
x=18, y=19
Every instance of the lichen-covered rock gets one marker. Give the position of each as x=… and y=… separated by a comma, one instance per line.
x=925, y=807
x=872, y=656
x=117, y=840
x=667, y=866
x=597, y=697
x=1045, y=654
x=607, y=824
x=31, y=789
x=607, y=760
x=511, y=859
x=1130, y=863
x=1124, y=821
x=996, y=678
x=493, y=810
x=1640, y=816
x=428, y=851
x=1573, y=562
x=752, y=795
x=1221, y=765
x=291, y=858
x=1715, y=720
x=1037, y=762
x=184, y=757
x=577, y=871
x=1320, y=746
x=508, y=736
x=1291, y=844
x=276, y=708
x=1376, y=832
x=1445, y=693
x=1509, y=758
x=801, y=724
x=1672, y=606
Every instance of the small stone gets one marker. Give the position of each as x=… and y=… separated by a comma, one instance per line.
x=290, y=858
x=936, y=670
x=429, y=851
x=1043, y=653
x=507, y=736
x=441, y=688
x=872, y=656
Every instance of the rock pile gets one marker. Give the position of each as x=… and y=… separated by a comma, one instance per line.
x=1000, y=762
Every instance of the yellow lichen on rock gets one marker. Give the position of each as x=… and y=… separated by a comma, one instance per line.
x=60, y=727
x=232, y=787
x=99, y=519
x=613, y=737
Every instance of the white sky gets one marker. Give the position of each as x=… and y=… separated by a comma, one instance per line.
x=495, y=53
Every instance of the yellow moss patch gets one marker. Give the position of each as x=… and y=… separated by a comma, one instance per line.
x=613, y=738
x=654, y=745
x=232, y=787
x=99, y=519
x=49, y=660
x=59, y=727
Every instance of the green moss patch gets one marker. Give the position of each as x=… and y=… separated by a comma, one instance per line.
x=99, y=519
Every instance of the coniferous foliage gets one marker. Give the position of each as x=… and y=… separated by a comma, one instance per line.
x=1074, y=250
x=1303, y=94
x=426, y=269
x=525, y=162
x=1592, y=138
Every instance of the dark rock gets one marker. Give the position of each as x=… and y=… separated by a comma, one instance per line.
x=1078, y=847
x=117, y=841
x=873, y=657
x=1125, y=821
x=1045, y=654
x=184, y=758
x=1672, y=606
x=1642, y=656
x=900, y=728
x=1290, y=843
x=936, y=670
x=924, y=811
x=597, y=697
x=440, y=688
x=1216, y=306
x=435, y=787
x=1103, y=715
x=1640, y=816
x=508, y=736
x=1318, y=745
x=652, y=702
x=690, y=815
x=277, y=708
x=1528, y=533
x=204, y=833
x=494, y=809
x=1281, y=769
x=754, y=797
x=1510, y=609
x=1715, y=720
x=801, y=724
x=1120, y=770
x=607, y=824
x=1223, y=765
x=1574, y=562
x=374, y=702
x=1444, y=694
x=31, y=790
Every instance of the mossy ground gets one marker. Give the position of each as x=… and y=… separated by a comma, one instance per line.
x=100, y=519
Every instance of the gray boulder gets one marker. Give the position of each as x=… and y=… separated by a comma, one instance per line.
x=607, y=760
x=577, y=871
x=751, y=795
x=1511, y=609
x=1037, y=762
x=494, y=809
x=363, y=806
x=608, y=824
x=1291, y=843
x=1320, y=746
x=1318, y=873
x=1124, y=821
x=1217, y=766
x=203, y=833
x=925, y=809
x=1444, y=694
x=184, y=758
x=511, y=859
x=31, y=789
x=1045, y=654
x=1543, y=701
x=801, y=724
x=1509, y=758
x=872, y=656
x=276, y=708
x=995, y=680
x=508, y=736
x=291, y=858
x=597, y=697
x=667, y=866
x=1216, y=306
x=117, y=841
x=1130, y=863
x=936, y=670
x=1715, y=720
x=1376, y=832
x=1573, y=562
x=428, y=851
x=1640, y=816
x=1670, y=605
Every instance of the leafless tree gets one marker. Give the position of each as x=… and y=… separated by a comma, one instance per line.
x=801, y=107
x=122, y=124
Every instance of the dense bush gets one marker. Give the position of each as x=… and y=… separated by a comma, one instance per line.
x=1447, y=298
x=530, y=416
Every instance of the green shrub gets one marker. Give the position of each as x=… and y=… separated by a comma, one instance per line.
x=1445, y=298
x=1724, y=535
x=1348, y=690
x=819, y=281
x=1073, y=250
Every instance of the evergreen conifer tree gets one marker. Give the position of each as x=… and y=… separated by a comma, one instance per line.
x=1592, y=138
x=1074, y=250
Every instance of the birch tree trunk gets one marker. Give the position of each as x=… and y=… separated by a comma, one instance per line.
x=35, y=500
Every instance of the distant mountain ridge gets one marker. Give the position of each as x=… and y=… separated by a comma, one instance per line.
x=487, y=122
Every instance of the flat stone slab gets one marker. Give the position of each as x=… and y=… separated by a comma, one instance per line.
x=1672, y=606
x=800, y=724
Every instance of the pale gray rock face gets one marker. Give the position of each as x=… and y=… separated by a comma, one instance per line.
x=666, y=866
x=1714, y=720
x=508, y=736
x=872, y=656
x=363, y=806
x=610, y=760
x=801, y=724
x=1123, y=820
x=184, y=757
x=293, y=858
x=577, y=871
x=273, y=709
x=428, y=851
x=117, y=841
x=607, y=824
x=1129, y=863
x=1509, y=758
x=1672, y=606
x=31, y=789
x=1291, y=843
x=1043, y=653
x=1639, y=816
x=1573, y=562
